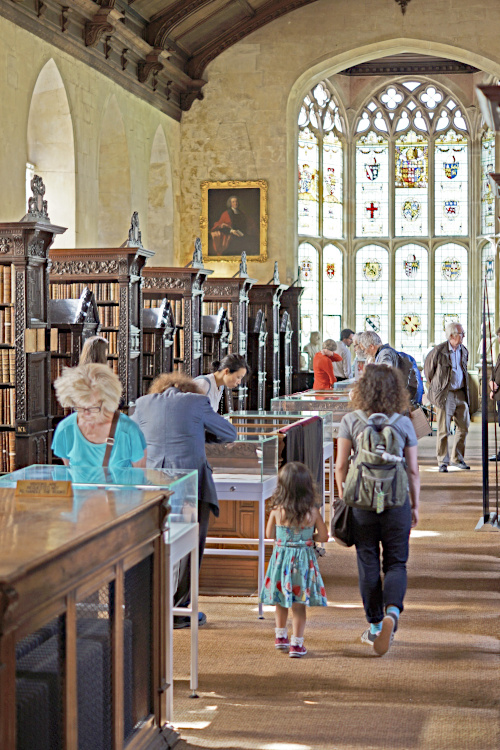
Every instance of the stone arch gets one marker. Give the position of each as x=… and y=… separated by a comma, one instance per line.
x=114, y=207
x=160, y=234
x=51, y=149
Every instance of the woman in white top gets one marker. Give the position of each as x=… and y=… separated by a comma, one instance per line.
x=229, y=373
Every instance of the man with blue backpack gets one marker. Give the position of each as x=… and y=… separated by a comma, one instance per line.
x=384, y=354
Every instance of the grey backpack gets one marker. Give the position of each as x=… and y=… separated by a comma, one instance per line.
x=377, y=478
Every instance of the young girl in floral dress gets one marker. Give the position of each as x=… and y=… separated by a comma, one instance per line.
x=293, y=578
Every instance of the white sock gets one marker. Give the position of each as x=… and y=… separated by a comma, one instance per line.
x=281, y=632
x=296, y=641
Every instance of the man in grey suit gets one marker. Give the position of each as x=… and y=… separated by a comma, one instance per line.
x=174, y=417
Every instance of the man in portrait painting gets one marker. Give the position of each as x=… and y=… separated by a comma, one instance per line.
x=234, y=232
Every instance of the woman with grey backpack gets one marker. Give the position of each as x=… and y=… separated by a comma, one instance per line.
x=381, y=483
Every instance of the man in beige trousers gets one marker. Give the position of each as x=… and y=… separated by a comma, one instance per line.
x=445, y=369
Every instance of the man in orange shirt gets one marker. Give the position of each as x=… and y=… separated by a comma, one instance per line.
x=324, y=377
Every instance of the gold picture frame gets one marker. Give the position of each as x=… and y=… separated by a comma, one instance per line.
x=229, y=226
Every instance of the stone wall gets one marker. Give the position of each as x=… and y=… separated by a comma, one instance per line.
x=90, y=95
x=245, y=128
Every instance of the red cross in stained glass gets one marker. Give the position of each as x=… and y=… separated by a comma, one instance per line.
x=372, y=208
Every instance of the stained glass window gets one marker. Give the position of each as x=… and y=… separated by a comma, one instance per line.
x=309, y=302
x=488, y=268
x=332, y=292
x=372, y=186
x=332, y=186
x=411, y=185
x=372, y=290
x=308, y=182
x=487, y=197
x=451, y=184
x=411, y=300
x=450, y=288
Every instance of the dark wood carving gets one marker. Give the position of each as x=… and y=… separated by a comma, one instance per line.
x=266, y=297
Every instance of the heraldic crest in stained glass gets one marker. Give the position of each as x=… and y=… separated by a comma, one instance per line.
x=489, y=268
x=411, y=265
x=330, y=270
x=329, y=187
x=372, y=323
x=411, y=166
x=411, y=210
x=372, y=207
x=306, y=182
x=450, y=318
x=451, y=269
x=372, y=270
x=451, y=168
x=451, y=209
x=372, y=170
x=411, y=324
x=306, y=269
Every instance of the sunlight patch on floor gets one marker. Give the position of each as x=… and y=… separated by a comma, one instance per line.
x=418, y=534
x=344, y=606
x=284, y=746
x=265, y=608
x=191, y=724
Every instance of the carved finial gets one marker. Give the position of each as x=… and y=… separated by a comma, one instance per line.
x=276, y=275
x=403, y=4
x=37, y=206
x=134, y=233
x=243, y=265
x=299, y=275
x=198, y=254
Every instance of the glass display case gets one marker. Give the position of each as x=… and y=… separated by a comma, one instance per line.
x=337, y=403
x=251, y=455
x=124, y=489
x=258, y=422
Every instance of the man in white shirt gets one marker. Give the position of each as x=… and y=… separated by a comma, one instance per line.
x=343, y=370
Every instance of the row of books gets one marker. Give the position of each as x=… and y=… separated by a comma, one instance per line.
x=148, y=366
x=179, y=344
x=7, y=283
x=8, y=406
x=148, y=343
x=104, y=291
x=112, y=337
x=151, y=304
x=212, y=308
x=109, y=317
x=7, y=451
x=6, y=326
x=8, y=365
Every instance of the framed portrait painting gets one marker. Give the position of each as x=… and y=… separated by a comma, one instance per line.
x=234, y=219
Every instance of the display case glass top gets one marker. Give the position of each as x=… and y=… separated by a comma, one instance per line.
x=252, y=456
x=313, y=401
x=37, y=527
x=270, y=421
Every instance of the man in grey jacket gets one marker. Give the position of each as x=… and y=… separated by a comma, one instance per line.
x=381, y=354
x=445, y=369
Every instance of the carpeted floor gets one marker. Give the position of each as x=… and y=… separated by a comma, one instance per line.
x=438, y=688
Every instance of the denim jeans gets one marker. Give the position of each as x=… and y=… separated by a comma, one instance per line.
x=391, y=529
x=182, y=596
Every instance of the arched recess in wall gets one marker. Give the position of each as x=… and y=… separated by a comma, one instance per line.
x=160, y=234
x=114, y=209
x=51, y=149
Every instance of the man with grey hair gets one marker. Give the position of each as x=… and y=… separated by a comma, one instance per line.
x=381, y=354
x=445, y=369
x=324, y=377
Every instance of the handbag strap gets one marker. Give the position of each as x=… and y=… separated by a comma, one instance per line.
x=110, y=440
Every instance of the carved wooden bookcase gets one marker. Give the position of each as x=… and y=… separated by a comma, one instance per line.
x=114, y=276
x=183, y=287
x=290, y=302
x=232, y=294
x=285, y=354
x=72, y=322
x=266, y=297
x=215, y=338
x=257, y=345
x=24, y=329
x=158, y=340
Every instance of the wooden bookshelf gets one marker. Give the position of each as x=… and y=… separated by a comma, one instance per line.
x=216, y=338
x=158, y=340
x=24, y=335
x=183, y=288
x=232, y=295
x=257, y=346
x=72, y=322
x=266, y=297
x=290, y=302
x=113, y=275
x=286, y=334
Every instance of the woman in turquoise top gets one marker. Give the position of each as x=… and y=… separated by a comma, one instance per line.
x=93, y=392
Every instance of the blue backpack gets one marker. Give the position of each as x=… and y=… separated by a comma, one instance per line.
x=417, y=398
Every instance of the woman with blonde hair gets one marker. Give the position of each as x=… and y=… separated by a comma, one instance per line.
x=93, y=393
x=94, y=351
x=174, y=417
x=380, y=400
